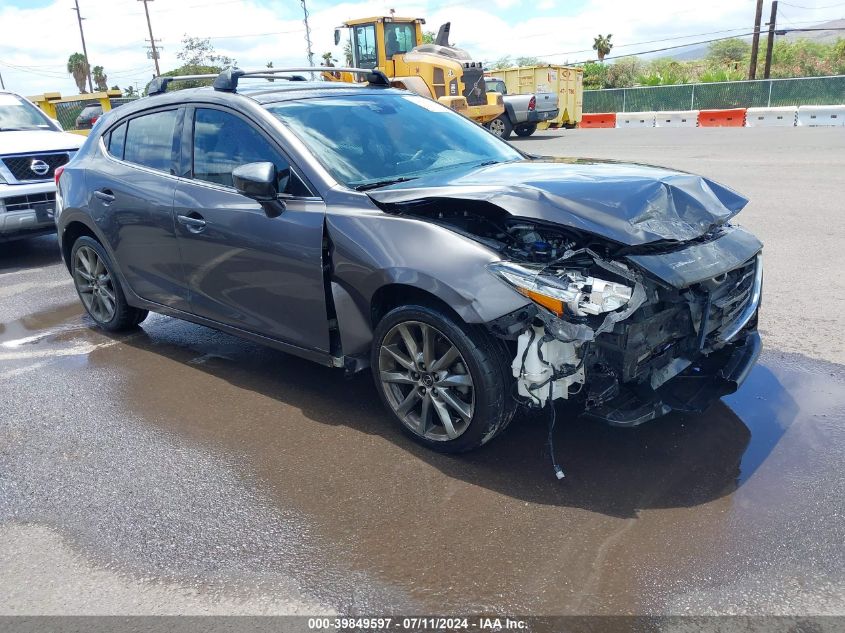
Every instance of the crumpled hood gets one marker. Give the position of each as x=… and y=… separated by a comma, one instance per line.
x=627, y=203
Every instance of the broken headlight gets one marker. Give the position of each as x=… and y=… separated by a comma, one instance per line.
x=564, y=291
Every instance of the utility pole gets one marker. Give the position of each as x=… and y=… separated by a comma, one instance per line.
x=152, y=39
x=2, y=85
x=771, y=43
x=84, y=50
x=307, y=36
x=755, y=42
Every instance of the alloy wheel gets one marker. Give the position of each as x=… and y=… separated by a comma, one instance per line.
x=426, y=381
x=94, y=284
x=497, y=126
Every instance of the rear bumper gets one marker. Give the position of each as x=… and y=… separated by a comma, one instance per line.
x=27, y=210
x=693, y=390
x=546, y=115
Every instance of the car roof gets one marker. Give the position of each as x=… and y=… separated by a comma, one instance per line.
x=263, y=93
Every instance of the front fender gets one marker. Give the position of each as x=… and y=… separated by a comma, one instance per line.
x=372, y=250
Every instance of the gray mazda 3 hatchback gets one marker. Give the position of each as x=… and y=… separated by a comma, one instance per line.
x=361, y=226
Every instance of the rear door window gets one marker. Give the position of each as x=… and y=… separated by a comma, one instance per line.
x=149, y=140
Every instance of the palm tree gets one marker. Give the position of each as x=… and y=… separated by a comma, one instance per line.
x=328, y=59
x=602, y=45
x=100, y=78
x=77, y=67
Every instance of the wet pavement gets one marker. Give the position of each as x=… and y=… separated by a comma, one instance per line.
x=180, y=470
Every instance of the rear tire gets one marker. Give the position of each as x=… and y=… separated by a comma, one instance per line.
x=453, y=396
x=501, y=126
x=526, y=129
x=99, y=288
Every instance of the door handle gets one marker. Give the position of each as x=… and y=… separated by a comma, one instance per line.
x=105, y=195
x=194, y=223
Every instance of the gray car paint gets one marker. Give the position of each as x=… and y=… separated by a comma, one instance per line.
x=371, y=250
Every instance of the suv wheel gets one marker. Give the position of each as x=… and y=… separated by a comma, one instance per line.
x=501, y=126
x=447, y=383
x=99, y=289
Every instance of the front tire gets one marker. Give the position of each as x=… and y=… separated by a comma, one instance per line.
x=99, y=288
x=501, y=126
x=446, y=383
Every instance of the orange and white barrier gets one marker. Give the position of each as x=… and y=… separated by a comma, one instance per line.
x=635, y=119
x=771, y=117
x=732, y=117
x=600, y=119
x=816, y=116
x=676, y=118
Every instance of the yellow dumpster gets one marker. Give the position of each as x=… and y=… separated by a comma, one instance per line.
x=566, y=81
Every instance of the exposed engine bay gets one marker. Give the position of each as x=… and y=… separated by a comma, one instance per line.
x=627, y=344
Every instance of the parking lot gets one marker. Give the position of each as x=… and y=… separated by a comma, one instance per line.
x=180, y=470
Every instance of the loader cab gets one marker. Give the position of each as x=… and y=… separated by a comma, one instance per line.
x=377, y=41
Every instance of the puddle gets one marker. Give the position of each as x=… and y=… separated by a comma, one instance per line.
x=643, y=515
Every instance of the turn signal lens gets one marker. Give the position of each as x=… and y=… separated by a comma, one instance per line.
x=550, y=303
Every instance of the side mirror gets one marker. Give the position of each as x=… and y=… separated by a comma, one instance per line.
x=260, y=181
x=256, y=181
x=336, y=37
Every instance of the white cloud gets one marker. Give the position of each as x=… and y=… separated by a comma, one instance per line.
x=37, y=42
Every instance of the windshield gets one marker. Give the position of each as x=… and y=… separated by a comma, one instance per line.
x=17, y=114
x=369, y=139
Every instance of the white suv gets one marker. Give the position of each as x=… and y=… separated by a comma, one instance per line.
x=32, y=146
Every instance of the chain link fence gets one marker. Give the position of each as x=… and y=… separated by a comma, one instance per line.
x=712, y=96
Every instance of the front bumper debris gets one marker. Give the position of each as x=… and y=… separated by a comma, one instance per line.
x=693, y=390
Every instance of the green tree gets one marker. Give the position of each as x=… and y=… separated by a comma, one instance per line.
x=595, y=76
x=502, y=62
x=726, y=51
x=77, y=67
x=198, y=58
x=527, y=61
x=198, y=51
x=602, y=45
x=100, y=78
x=347, y=53
x=428, y=37
x=130, y=92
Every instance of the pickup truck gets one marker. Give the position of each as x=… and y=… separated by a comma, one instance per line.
x=32, y=146
x=522, y=112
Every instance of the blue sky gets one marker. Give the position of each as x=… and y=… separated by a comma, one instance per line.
x=257, y=31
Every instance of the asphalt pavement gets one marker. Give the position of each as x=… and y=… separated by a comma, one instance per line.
x=180, y=470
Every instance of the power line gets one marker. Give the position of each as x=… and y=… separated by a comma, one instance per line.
x=798, y=6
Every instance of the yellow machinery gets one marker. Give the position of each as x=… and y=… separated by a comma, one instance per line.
x=439, y=71
x=65, y=109
x=566, y=81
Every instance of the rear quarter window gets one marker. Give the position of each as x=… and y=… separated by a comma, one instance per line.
x=149, y=140
x=117, y=140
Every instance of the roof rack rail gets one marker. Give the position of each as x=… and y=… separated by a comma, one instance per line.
x=227, y=81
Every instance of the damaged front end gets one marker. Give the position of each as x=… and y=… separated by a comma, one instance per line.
x=629, y=346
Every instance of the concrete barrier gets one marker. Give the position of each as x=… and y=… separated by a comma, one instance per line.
x=733, y=117
x=635, y=119
x=813, y=116
x=676, y=118
x=771, y=117
x=598, y=119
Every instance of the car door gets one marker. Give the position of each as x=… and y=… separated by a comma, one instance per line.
x=245, y=269
x=132, y=186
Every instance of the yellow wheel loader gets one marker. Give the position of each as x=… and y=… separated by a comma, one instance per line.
x=438, y=71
